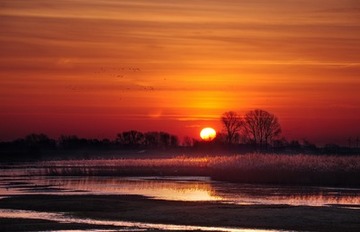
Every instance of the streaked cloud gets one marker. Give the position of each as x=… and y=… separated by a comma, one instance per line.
x=195, y=57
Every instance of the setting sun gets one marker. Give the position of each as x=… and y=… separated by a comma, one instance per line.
x=202, y=110
x=207, y=134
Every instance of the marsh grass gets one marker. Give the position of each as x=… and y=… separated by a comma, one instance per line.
x=288, y=169
x=177, y=166
x=248, y=168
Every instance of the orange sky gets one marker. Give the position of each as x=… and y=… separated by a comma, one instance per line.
x=98, y=67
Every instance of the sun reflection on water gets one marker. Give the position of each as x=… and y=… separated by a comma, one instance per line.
x=166, y=189
x=183, y=189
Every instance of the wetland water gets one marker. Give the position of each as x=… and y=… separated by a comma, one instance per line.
x=183, y=189
x=187, y=189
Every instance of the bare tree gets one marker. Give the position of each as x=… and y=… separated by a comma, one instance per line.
x=261, y=127
x=131, y=138
x=151, y=139
x=188, y=142
x=232, y=123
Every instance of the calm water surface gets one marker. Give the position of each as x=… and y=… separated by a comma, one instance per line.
x=183, y=189
x=12, y=182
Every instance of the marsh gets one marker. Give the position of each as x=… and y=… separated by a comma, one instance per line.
x=172, y=203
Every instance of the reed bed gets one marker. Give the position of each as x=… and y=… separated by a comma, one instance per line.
x=247, y=168
x=288, y=169
x=176, y=166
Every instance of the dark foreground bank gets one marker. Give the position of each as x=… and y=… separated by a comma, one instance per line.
x=20, y=224
x=142, y=209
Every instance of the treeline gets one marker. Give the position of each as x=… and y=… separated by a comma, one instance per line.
x=255, y=131
x=126, y=139
x=279, y=146
x=35, y=146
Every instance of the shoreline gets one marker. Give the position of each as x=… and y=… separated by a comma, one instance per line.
x=144, y=209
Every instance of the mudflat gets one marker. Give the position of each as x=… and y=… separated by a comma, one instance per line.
x=20, y=224
x=143, y=209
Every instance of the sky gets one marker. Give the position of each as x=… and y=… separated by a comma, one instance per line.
x=95, y=68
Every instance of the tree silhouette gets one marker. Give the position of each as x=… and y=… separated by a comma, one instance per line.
x=37, y=141
x=72, y=142
x=261, y=127
x=232, y=124
x=131, y=138
x=164, y=139
x=188, y=142
x=151, y=139
x=174, y=141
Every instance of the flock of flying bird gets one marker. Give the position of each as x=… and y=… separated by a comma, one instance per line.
x=120, y=72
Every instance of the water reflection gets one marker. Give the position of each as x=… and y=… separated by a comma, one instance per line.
x=288, y=195
x=183, y=189
x=179, y=189
x=129, y=226
x=159, y=188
